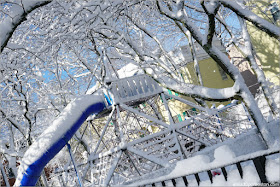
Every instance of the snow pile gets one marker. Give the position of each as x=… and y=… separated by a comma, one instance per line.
x=243, y=144
x=272, y=169
x=129, y=70
x=223, y=154
x=199, y=162
x=183, y=167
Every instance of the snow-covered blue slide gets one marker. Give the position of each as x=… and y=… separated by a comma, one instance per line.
x=55, y=137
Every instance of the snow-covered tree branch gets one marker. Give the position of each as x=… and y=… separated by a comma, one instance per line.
x=15, y=12
x=55, y=50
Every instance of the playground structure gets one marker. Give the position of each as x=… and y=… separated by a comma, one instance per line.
x=137, y=134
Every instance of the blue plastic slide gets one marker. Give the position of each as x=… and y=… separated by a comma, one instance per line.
x=56, y=136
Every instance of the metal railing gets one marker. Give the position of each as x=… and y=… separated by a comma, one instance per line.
x=259, y=162
x=134, y=88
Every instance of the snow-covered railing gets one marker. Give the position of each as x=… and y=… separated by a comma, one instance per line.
x=213, y=126
x=255, y=166
x=134, y=88
x=152, y=140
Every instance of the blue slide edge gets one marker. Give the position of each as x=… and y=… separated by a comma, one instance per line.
x=33, y=172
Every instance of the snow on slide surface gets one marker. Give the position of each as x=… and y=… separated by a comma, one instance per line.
x=55, y=137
